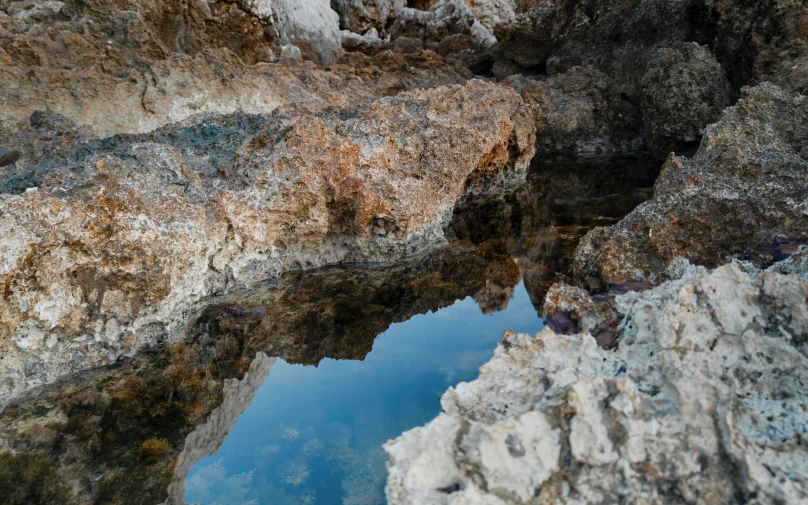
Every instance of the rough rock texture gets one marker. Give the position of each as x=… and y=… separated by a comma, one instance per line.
x=134, y=67
x=667, y=68
x=703, y=402
x=123, y=235
x=753, y=40
x=585, y=113
x=448, y=28
x=212, y=82
x=745, y=189
x=491, y=13
x=579, y=116
x=359, y=16
x=312, y=26
x=685, y=90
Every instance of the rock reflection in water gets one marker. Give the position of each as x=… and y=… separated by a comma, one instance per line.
x=128, y=433
x=317, y=432
x=118, y=434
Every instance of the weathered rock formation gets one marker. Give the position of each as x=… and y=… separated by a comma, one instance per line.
x=117, y=239
x=703, y=401
x=743, y=192
x=155, y=153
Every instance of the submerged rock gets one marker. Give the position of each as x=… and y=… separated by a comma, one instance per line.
x=703, y=401
x=744, y=189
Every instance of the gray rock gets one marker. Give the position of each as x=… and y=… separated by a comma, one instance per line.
x=312, y=26
x=9, y=157
x=359, y=16
x=743, y=192
x=685, y=89
x=291, y=55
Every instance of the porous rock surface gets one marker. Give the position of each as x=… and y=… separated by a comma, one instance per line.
x=703, y=402
x=116, y=240
x=746, y=187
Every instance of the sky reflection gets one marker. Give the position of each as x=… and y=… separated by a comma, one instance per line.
x=314, y=434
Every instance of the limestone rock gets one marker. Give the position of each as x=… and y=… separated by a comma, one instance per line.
x=312, y=26
x=368, y=43
x=744, y=189
x=448, y=28
x=491, y=13
x=360, y=16
x=445, y=18
x=213, y=82
x=685, y=90
x=121, y=237
x=703, y=401
x=527, y=40
x=580, y=115
x=301, y=317
x=585, y=114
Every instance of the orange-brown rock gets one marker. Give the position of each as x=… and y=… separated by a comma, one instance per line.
x=120, y=238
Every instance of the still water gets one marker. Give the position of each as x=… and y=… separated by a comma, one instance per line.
x=315, y=434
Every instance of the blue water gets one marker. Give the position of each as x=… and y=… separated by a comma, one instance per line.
x=314, y=434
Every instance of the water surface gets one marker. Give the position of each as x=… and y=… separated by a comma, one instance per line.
x=313, y=434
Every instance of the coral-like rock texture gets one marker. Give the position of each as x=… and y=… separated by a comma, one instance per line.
x=703, y=402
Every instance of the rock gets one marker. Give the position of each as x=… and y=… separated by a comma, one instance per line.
x=702, y=401
x=491, y=13
x=291, y=55
x=527, y=40
x=208, y=438
x=741, y=191
x=117, y=39
x=685, y=90
x=407, y=45
x=580, y=115
x=444, y=19
x=360, y=16
x=312, y=26
x=757, y=42
x=448, y=28
x=157, y=222
x=9, y=157
x=300, y=318
x=654, y=58
x=796, y=263
x=369, y=43
x=570, y=310
x=213, y=82
x=753, y=41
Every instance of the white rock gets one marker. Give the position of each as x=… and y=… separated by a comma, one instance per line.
x=312, y=26
x=703, y=402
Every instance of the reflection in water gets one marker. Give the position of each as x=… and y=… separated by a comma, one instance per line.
x=138, y=432
x=315, y=433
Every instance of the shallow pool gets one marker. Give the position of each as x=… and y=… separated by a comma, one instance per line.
x=314, y=434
